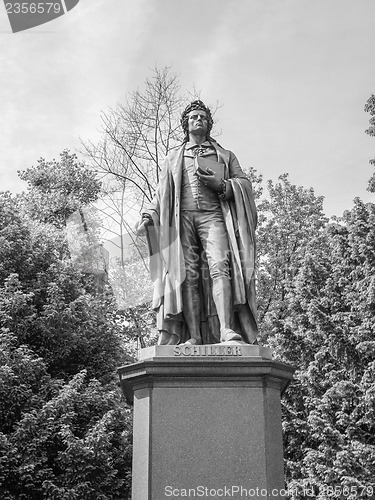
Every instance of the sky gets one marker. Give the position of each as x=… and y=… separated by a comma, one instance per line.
x=291, y=76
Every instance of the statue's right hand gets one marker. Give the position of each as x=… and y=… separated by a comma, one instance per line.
x=140, y=227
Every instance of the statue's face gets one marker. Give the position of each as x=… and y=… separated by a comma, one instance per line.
x=198, y=123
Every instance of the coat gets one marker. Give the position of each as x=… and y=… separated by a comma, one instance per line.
x=166, y=256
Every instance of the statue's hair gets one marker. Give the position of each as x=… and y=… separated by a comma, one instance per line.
x=185, y=117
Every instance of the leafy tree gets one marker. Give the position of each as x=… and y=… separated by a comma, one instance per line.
x=65, y=431
x=370, y=108
x=329, y=336
x=315, y=295
x=74, y=446
x=24, y=381
x=58, y=189
x=287, y=218
x=46, y=302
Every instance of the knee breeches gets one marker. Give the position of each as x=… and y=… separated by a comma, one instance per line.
x=206, y=230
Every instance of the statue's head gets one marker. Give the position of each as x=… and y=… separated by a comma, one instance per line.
x=194, y=106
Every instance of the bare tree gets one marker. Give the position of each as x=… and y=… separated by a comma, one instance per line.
x=137, y=135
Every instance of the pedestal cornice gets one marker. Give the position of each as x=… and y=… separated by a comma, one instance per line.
x=204, y=364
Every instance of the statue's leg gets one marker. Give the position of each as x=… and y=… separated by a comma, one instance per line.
x=222, y=295
x=166, y=338
x=190, y=294
x=190, y=297
x=214, y=239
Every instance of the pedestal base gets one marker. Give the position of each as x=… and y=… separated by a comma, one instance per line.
x=207, y=422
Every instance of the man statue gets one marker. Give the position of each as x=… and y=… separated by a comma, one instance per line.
x=201, y=234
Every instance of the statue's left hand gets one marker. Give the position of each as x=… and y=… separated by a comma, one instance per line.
x=211, y=180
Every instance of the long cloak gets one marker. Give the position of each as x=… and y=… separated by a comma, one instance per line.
x=167, y=266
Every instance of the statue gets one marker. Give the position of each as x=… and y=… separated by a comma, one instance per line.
x=201, y=234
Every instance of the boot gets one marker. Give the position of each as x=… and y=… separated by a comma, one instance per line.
x=190, y=298
x=222, y=295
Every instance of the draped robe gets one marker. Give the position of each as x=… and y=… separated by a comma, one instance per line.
x=167, y=266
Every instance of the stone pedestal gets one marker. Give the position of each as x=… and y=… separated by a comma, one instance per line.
x=207, y=422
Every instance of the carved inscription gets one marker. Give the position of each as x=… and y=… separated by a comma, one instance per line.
x=207, y=350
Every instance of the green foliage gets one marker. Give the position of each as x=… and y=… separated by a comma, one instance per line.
x=316, y=301
x=370, y=108
x=138, y=328
x=48, y=304
x=78, y=447
x=328, y=333
x=24, y=249
x=65, y=432
x=58, y=189
x=287, y=218
x=24, y=381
